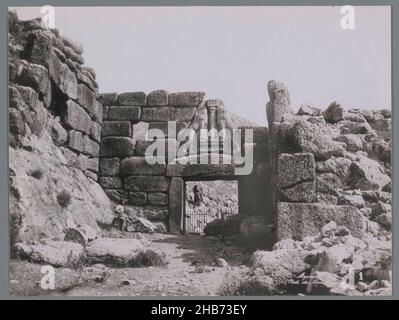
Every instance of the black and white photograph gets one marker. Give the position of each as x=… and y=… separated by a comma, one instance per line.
x=204, y=151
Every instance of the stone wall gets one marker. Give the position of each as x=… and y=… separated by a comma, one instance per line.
x=329, y=166
x=50, y=88
x=128, y=178
x=54, y=135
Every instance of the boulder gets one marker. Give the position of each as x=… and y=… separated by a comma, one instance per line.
x=298, y=220
x=213, y=228
x=55, y=253
x=334, y=113
x=353, y=200
x=117, y=252
x=81, y=234
x=291, y=260
x=368, y=174
x=295, y=168
x=306, y=110
x=142, y=225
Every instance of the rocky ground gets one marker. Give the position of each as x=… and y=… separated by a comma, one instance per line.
x=191, y=270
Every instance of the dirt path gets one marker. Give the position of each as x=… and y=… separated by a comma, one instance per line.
x=190, y=271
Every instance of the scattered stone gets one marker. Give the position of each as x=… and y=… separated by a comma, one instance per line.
x=81, y=234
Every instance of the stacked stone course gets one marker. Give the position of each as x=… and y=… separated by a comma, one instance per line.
x=51, y=89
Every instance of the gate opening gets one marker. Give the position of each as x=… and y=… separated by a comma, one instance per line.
x=206, y=201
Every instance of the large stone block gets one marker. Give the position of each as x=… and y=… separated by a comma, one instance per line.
x=157, y=98
x=301, y=192
x=167, y=114
x=108, y=99
x=116, y=147
x=36, y=76
x=157, y=199
x=95, y=131
x=222, y=171
x=110, y=182
x=137, y=198
x=75, y=140
x=147, y=183
x=116, y=128
x=90, y=147
x=298, y=220
x=87, y=99
x=118, y=196
x=176, y=204
x=77, y=118
x=295, y=168
x=140, y=166
x=109, y=166
x=132, y=99
x=68, y=83
x=186, y=99
x=129, y=113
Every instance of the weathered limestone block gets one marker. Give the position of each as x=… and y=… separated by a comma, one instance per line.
x=298, y=220
x=109, y=166
x=140, y=166
x=75, y=140
x=87, y=99
x=95, y=131
x=129, y=113
x=118, y=196
x=105, y=112
x=147, y=183
x=167, y=114
x=353, y=142
x=279, y=104
x=301, y=192
x=72, y=55
x=17, y=125
x=28, y=95
x=334, y=113
x=157, y=199
x=311, y=135
x=108, y=99
x=157, y=98
x=77, y=118
x=186, y=99
x=306, y=110
x=36, y=76
x=368, y=174
x=68, y=83
x=137, y=198
x=110, y=182
x=92, y=164
x=132, y=99
x=88, y=82
x=176, y=204
x=295, y=168
x=75, y=45
x=116, y=147
x=200, y=170
x=116, y=128
x=58, y=134
x=90, y=147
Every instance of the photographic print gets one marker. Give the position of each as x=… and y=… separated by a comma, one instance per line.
x=174, y=151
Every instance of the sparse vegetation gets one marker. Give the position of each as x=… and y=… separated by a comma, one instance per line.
x=64, y=199
x=36, y=173
x=148, y=258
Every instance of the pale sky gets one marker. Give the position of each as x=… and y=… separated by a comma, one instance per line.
x=232, y=52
